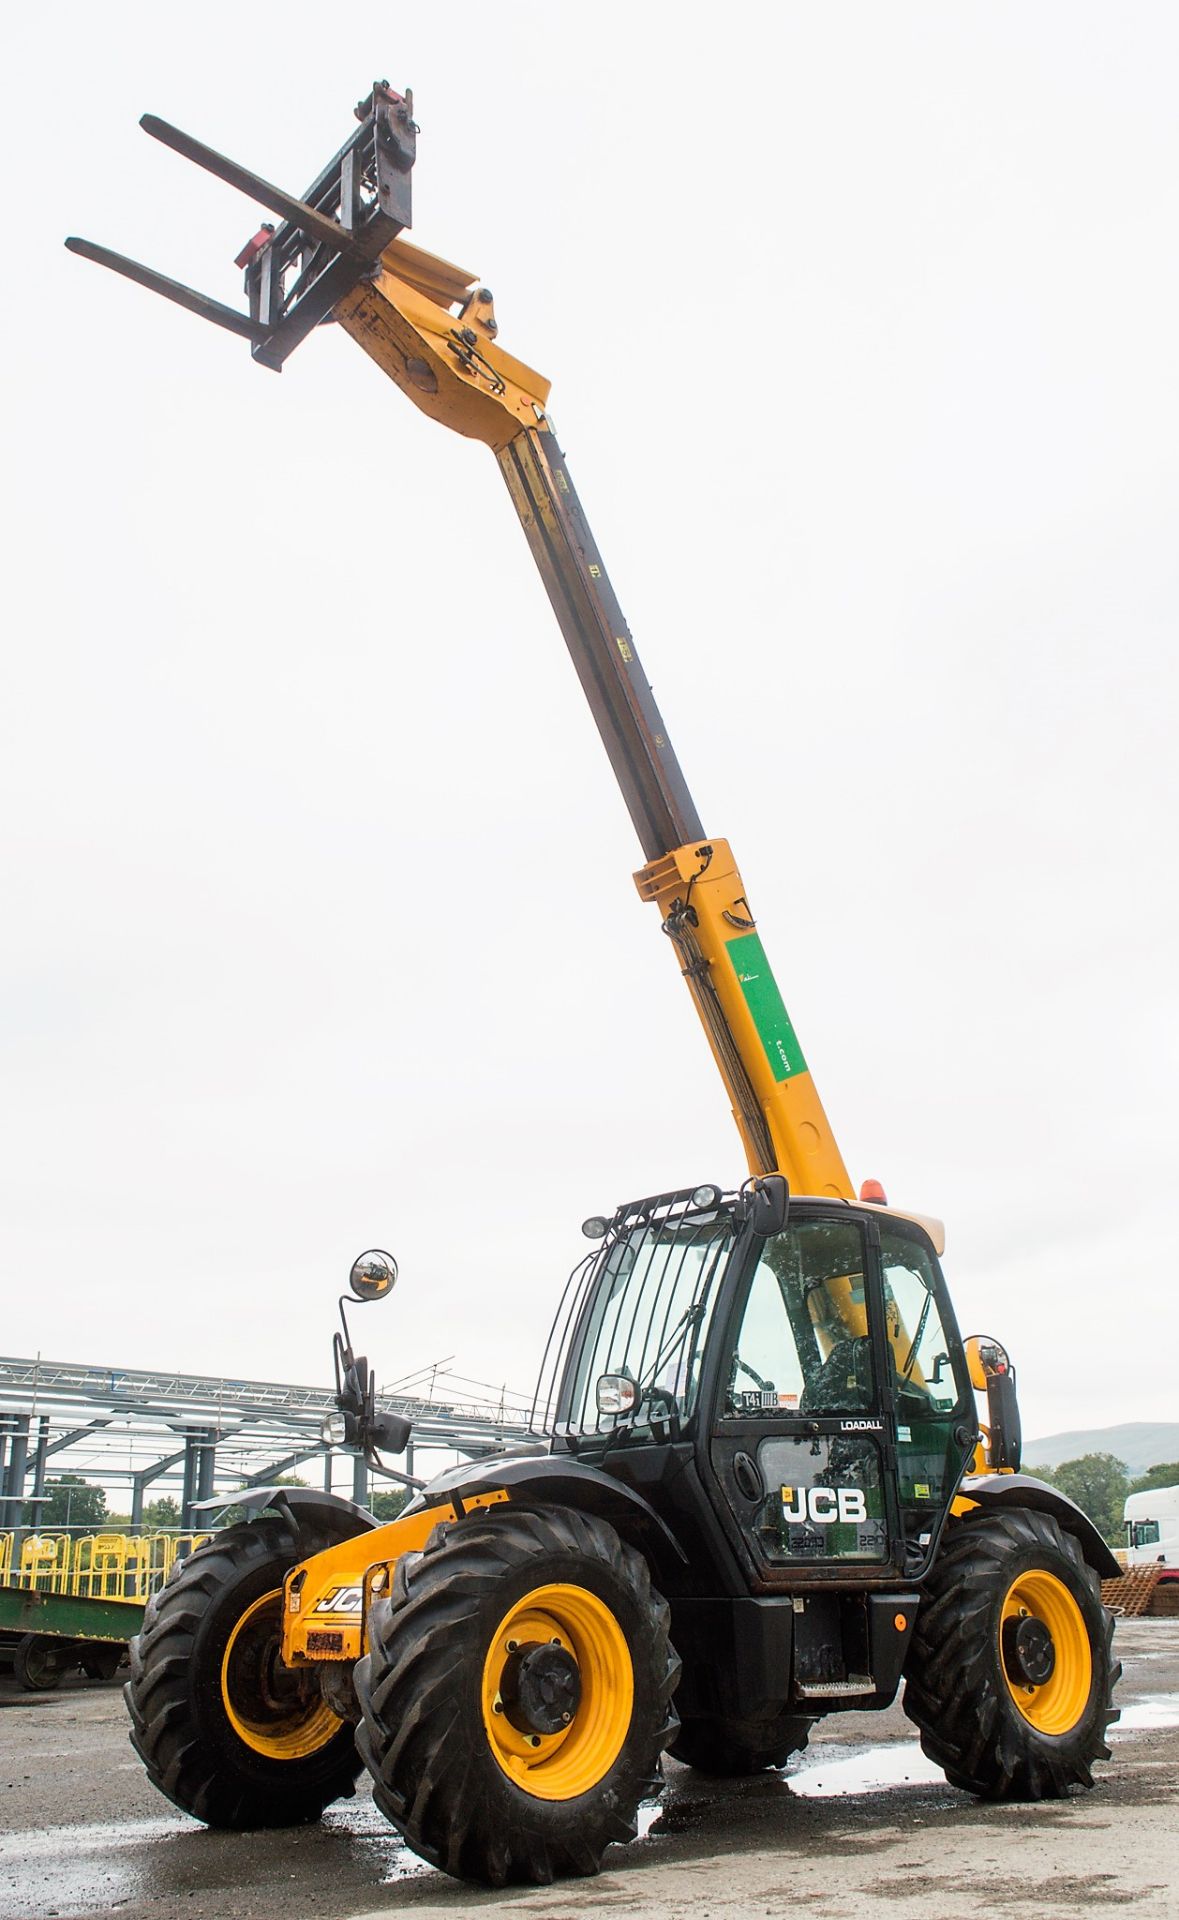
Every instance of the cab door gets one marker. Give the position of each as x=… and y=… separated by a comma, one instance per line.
x=933, y=1423
x=800, y=1437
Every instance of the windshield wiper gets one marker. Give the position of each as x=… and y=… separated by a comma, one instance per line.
x=912, y=1353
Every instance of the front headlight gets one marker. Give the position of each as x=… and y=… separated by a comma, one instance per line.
x=334, y=1431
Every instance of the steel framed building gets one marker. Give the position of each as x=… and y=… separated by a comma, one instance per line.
x=196, y=1436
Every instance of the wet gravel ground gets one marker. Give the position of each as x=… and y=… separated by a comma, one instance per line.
x=860, y=1825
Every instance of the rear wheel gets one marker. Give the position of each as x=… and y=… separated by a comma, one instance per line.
x=1010, y=1676
x=224, y=1729
x=728, y=1749
x=101, y=1662
x=517, y=1695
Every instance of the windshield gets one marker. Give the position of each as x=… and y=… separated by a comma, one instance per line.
x=646, y=1317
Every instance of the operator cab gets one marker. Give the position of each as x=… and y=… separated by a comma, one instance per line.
x=815, y=1372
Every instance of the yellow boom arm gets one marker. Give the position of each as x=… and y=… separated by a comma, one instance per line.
x=339, y=253
x=432, y=329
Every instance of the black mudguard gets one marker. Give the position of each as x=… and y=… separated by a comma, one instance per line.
x=1022, y=1490
x=554, y=1480
x=326, y=1511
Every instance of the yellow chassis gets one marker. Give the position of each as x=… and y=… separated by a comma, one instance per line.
x=326, y=1598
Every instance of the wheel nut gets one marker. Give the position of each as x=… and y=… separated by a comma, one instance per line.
x=566, y=1717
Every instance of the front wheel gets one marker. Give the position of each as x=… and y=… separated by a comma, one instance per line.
x=517, y=1695
x=1010, y=1674
x=224, y=1729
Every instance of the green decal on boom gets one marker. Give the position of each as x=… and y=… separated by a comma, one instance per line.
x=766, y=1005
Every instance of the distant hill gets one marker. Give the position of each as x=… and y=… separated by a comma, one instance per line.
x=1139, y=1443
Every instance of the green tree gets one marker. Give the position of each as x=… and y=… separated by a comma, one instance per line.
x=1097, y=1482
x=164, y=1512
x=1166, y=1474
x=73, y=1502
x=387, y=1504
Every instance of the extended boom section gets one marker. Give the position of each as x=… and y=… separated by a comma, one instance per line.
x=340, y=254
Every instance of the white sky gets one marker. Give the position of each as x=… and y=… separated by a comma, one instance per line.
x=320, y=927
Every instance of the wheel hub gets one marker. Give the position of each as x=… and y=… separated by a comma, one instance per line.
x=1029, y=1652
x=540, y=1687
x=276, y=1710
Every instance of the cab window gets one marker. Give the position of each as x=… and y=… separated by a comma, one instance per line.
x=802, y=1345
x=919, y=1351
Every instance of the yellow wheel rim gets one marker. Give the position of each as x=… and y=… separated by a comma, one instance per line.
x=1055, y=1706
x=559, y=1766
x=277, y=1711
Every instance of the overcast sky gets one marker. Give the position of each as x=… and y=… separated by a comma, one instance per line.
x=862, y=323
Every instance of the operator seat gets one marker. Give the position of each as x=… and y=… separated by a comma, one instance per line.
x=843, y=1383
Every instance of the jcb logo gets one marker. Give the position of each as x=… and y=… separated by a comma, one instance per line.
x=341, y=1600
x=824, y=1505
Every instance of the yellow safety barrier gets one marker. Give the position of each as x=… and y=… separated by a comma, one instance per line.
x=96, y=1566
x=45, y=1561
x=158, y=1555
x=183, y=1544
x=100, y=1566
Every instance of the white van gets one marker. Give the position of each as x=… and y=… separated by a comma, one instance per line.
x=1152, y=1527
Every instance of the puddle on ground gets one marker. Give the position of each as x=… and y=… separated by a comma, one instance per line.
x=830, y=1770
x=901, y=1763
x=46, y=1871
x=362, y=1820
x=51, y=1870
x=35, y=1843
x=1146, y=1716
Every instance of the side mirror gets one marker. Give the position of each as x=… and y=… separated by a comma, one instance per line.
x=985, y=1358
x=616, y=1393
x=373, y=1275
x=768, y=1204
x=991, y=1372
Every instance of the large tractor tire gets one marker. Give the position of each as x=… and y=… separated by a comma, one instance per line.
x=1010, y=1674
x=731, y=1749
x=224, y=1729
x=517, y=1695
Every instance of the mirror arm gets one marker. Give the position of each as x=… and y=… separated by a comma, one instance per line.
x=340, y=1361
x=373, y=1459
